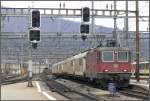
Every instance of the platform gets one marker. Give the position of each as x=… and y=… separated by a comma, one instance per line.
x=20, y=91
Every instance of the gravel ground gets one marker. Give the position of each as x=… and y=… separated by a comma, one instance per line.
x=45, y=88
x=101, y=94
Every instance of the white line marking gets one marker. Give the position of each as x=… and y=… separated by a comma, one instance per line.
x=38, y=86
x=44, y=93
x=48, y=96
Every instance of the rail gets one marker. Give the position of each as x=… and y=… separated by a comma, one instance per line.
x=136, y=91
x=12, y=80
x=65, y=91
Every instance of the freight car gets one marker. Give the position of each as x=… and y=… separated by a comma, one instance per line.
x=100, y=65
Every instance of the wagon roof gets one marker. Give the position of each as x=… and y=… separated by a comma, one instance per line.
x=71, y=58
x=112, y=48
x=79, y=55
x=141, y=62
x=58, y=63
x=76, y=56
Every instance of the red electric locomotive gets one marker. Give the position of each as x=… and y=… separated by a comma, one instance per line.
x=107, y=64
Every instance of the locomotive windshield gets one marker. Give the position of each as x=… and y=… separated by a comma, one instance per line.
x=108, y=56
x=122, y=56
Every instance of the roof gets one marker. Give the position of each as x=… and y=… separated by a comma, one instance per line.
x=112, y=48
x=79, y=55
x=72, y=58
x=142, y=62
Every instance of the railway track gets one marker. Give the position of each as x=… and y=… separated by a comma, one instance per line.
x=4, y=77
x=136, y=91
x=12, y=80
x=67, y=92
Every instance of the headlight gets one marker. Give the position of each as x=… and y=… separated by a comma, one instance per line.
x=125, y=70
x=106, y=70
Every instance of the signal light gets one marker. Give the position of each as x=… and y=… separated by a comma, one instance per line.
x=36, y=18
x=84, y=28
x=34, y=35
x=83, y=37
x=86, y=14
x=34, y=45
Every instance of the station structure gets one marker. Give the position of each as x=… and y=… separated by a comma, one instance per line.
x=32, y=50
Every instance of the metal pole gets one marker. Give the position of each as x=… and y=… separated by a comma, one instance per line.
x=32, y=4
x=149, y=47
x=0, y=55
x=39, y=65
x=30, y=67
x=115, y=23
x=59, y=20
x=35, y=65
x=21, y=63
x=30, y=59
x=126, y=22
x=137, y=42
x=93, y=20
x=18, y=64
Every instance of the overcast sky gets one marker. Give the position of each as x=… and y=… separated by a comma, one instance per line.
x=143, y=7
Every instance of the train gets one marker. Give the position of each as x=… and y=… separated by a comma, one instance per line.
x=100, y=65
x=143, y=68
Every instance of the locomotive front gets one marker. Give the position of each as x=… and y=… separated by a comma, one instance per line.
x=115, y=66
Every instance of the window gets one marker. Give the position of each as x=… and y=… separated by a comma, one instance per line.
x=142, y=65
x=108, y=56
x=123, y=56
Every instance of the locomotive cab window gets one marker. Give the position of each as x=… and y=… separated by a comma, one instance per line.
x=123, y=56
x=108, y=56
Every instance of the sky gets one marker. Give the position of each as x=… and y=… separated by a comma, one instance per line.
x=143, y=7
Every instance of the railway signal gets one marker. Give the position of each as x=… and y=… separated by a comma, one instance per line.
x=36, y=18
x=83, y=37
x=86, y=14
x=84, y=28
x=34, y=35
